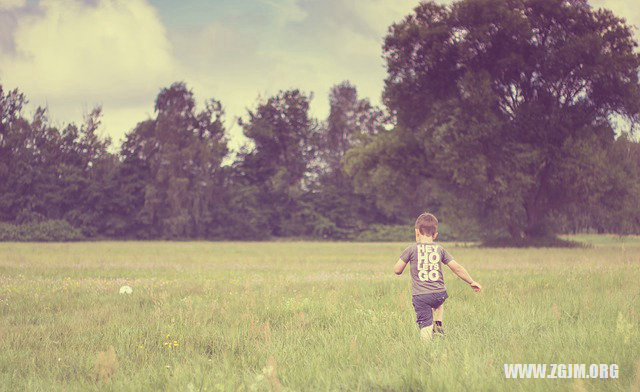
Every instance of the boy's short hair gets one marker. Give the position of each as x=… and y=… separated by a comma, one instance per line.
x=427, y=224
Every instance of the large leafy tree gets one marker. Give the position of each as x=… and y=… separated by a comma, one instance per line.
x=171, y=169
x=83, y=169
x=46, y=173
x=352, y=122
x=616, y=207
x=276, y=165
x=14, y=130
x=497, y=103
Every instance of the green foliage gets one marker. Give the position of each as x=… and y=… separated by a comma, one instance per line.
x=405, y=233
x=384, y=233
x=389, y=168
x=48, y=230
x=531, y=242
x=352, y=122
x=615, y=208
x=282, y=134
x=171, y=169
x=47, y=173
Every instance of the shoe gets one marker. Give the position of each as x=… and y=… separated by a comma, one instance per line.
x=438, y=330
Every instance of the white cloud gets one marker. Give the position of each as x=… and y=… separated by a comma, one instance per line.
x=288, y=10
x=11, y=4
x=305, y=46
x=71, y=56
x=380, y=14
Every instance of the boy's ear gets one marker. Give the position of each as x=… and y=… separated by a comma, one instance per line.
x=435, y=235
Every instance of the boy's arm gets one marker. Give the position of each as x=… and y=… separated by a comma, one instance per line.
x=399, y=267
x=464, y=275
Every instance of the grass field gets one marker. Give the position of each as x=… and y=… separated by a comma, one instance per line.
x=308, y=316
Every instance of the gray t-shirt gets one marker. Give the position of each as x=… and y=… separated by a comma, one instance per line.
x=426, y=267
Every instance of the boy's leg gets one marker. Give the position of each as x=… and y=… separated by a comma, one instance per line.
x=437, y=319
x=424, y=316
x=438, y=313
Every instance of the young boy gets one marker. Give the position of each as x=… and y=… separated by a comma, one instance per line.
x=427, y=281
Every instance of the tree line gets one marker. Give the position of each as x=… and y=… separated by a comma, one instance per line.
x=499, y=116
x=170, y=180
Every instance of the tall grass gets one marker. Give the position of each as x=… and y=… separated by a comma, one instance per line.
x=307, y=316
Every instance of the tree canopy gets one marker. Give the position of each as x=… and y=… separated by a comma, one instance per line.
x=505, y=110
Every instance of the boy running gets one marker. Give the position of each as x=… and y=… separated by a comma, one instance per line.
x=427, y=281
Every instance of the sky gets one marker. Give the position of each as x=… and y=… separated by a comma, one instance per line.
x=72, y=55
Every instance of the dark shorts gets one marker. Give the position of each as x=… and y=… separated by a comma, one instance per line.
x=424, y=303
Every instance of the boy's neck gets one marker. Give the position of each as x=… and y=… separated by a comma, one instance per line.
x=424, y=238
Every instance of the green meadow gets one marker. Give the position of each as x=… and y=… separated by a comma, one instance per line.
x=309, y=316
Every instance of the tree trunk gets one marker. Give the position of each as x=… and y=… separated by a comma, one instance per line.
x=533, y=220
x=515, y=232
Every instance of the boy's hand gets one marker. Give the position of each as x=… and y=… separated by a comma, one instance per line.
x=475, y=286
